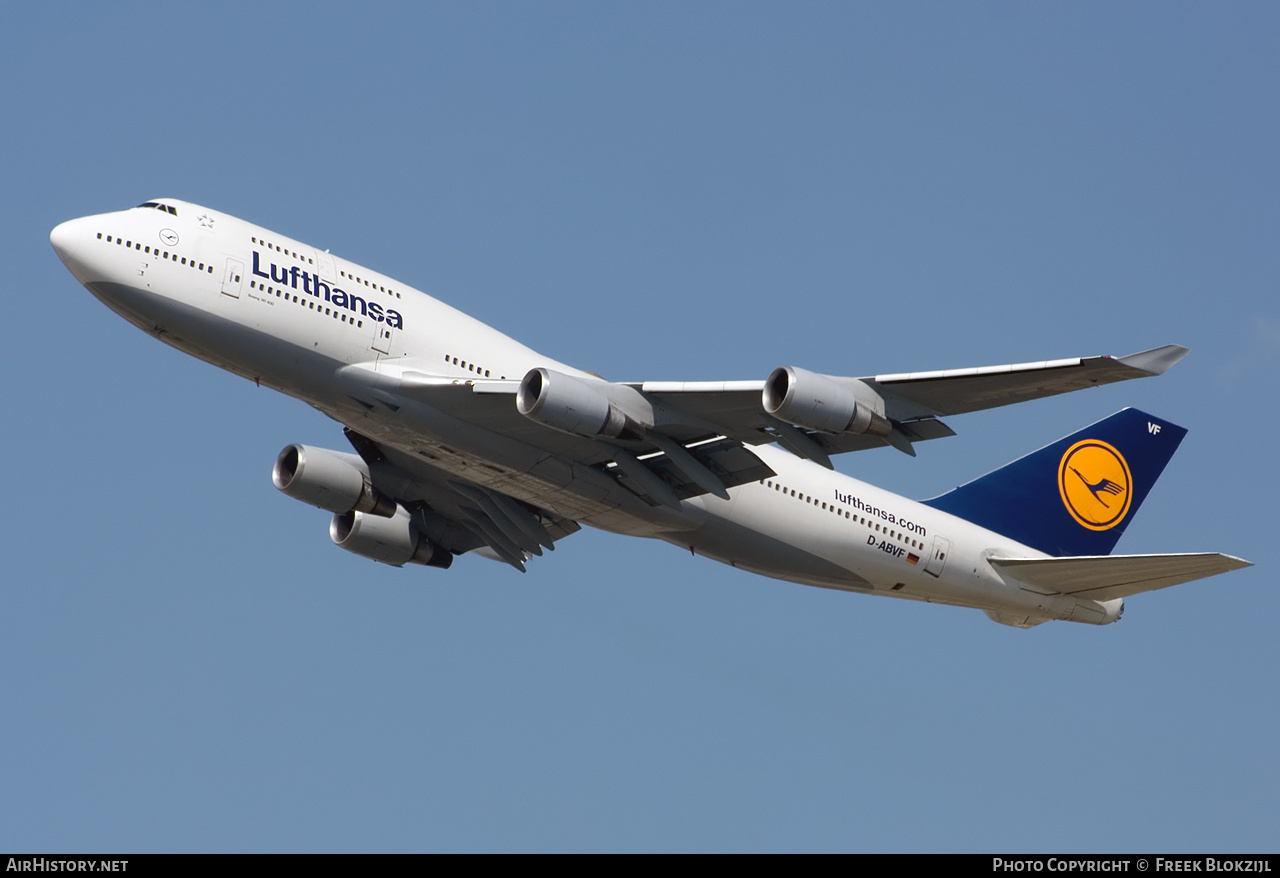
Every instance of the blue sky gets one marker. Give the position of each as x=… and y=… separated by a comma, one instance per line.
x=652, y=191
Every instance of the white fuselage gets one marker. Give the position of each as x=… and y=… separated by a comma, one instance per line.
x=304, y=322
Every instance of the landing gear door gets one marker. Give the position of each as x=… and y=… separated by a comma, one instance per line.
x=232, y=278
x=938, y=558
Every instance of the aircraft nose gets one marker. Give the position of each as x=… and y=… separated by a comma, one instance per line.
x=65, y=239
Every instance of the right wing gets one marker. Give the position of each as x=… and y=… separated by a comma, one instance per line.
x=666, y=441
x=910, y=396
x=956, y=391
x=815, y=415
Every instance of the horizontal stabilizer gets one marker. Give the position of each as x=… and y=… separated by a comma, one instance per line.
x=1104, y=577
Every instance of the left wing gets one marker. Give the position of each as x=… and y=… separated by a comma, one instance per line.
x=456, y=515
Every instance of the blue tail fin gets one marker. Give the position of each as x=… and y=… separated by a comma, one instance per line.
x=1076, y=496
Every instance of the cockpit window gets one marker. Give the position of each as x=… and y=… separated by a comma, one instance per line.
x=158, y=206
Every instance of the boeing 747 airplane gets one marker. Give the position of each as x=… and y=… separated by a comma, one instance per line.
x=465, y=440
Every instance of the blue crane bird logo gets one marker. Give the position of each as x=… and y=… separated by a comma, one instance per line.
x=1095, y=484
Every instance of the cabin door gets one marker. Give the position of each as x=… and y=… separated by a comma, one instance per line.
x=232, y=278
x=324, y=267
x=938, y=559
x=382, y=333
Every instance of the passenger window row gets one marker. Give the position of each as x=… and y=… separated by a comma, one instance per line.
x=372, y=286
x=470, y=367
x=146, y=248
x=306, y=301
x=285, y=250
x=856, y=519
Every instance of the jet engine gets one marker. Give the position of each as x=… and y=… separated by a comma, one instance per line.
x=329, y=480
x=572, y=405
x=821, y=402
x=392, y=540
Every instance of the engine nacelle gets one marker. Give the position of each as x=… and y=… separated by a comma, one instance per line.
x=393, y=540
x=820, y=402
x=329, y=480
x=572, y=405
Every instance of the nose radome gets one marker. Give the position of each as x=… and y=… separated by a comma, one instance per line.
x=65, y=238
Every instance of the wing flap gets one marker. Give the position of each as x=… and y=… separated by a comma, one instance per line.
x=1104, y=577
x=461, y=516
x=728, y=408
x=915, y=431
x=728, y=460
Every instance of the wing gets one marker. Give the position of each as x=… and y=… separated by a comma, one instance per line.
x=685, y=456
x=666, y=441
x=457, y=515
x=902, y=408
x=956, y=391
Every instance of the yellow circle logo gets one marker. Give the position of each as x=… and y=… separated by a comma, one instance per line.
x=1095, y=484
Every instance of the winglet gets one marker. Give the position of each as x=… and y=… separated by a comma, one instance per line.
x=1156, y=361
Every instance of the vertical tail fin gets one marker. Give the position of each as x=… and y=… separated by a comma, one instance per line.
x=1076, y=496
